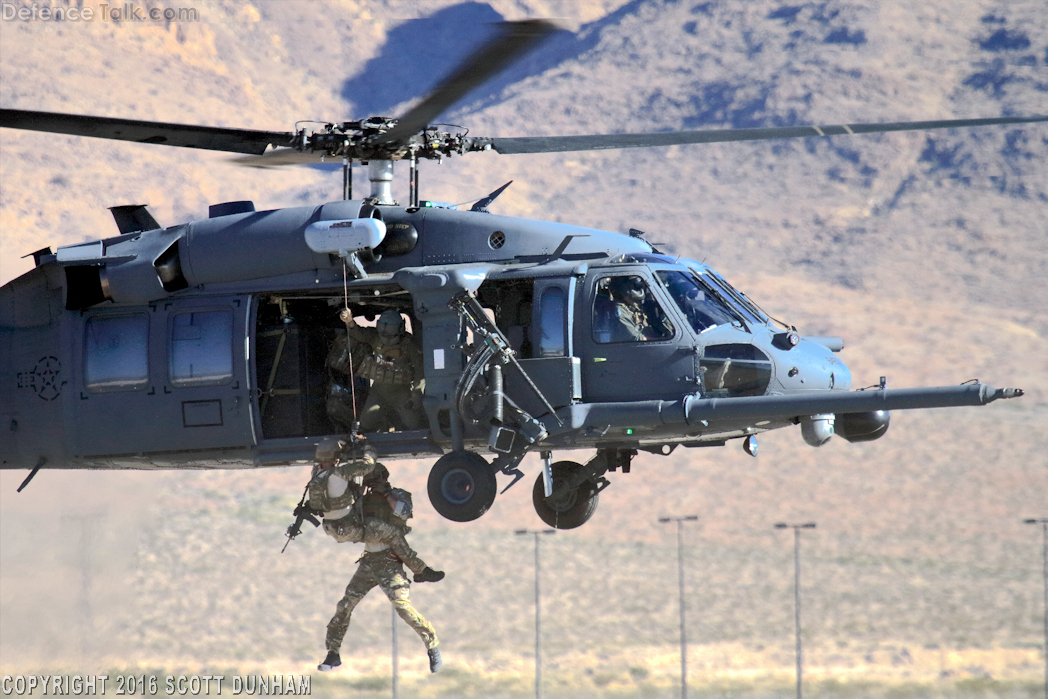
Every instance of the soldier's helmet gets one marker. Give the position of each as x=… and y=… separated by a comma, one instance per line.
x=329, y=449
x=628, y=288
x=390, y=325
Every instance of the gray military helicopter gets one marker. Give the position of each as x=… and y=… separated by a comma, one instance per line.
x=171, y=348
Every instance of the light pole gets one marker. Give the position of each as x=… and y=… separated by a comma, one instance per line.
x=797, y=588
x=538, y=608
x=1043, y=521
x=680, y=581
x=396, y=664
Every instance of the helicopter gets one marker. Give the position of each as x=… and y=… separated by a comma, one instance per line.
x=168, y=347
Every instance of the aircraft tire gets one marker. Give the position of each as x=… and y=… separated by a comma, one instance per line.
x=462, y=486
x=576, y=509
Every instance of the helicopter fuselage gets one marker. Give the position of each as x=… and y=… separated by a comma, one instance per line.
x=205, y=345
x=132, y=381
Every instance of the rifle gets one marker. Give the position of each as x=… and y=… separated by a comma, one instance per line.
x=303, y=512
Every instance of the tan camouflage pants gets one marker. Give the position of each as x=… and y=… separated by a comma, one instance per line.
x=380, y=569
x=375, y=531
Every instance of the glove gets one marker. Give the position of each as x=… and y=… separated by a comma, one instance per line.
x=346, y=316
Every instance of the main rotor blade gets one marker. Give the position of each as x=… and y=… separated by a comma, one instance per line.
x=560, y=144
x=514, y=39
x=181, y=135
x=281, y=157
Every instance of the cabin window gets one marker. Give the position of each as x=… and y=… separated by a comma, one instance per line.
x=702, y=309
x=201, y=348
x=552, y=312
x=116, y=353
x=625, y=310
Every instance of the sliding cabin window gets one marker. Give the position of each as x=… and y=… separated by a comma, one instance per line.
x=116, y=352
x=201, y=348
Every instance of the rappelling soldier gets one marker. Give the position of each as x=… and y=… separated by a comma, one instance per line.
x=352, y=490
x=394, y=366
x=346, y=477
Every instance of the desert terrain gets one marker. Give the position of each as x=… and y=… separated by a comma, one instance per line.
x=926, y=252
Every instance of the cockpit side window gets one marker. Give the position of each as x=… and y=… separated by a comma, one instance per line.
x=702, y=309
x=625, y=310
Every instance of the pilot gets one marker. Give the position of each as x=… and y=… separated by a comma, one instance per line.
x=631, y=322
x=384, y=555
x=394, y=366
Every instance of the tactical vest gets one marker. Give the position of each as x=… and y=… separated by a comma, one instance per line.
x=388, y=365
x=319, y=498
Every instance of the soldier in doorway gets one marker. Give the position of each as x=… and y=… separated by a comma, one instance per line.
x=343, y=357
x=351, y=488
x=394, y=367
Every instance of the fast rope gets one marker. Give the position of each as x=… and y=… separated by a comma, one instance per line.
x=349, y=347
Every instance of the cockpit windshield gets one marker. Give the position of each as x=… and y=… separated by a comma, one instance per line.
x=751, y=310
x=702, y=308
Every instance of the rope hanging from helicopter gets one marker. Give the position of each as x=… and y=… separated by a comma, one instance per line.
x=349, y=346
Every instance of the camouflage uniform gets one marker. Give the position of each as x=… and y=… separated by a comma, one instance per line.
x=340, y=382
x=394, y=367
x=351, y=516
x=382, y=569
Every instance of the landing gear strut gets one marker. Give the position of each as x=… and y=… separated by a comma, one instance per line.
x=462, y=486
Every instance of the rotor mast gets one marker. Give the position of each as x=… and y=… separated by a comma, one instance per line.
x=380, y=175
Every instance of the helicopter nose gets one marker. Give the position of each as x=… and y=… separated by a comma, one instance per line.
x=812, y=366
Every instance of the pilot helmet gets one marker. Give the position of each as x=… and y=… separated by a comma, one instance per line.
x=629, y=288
x=390, y=325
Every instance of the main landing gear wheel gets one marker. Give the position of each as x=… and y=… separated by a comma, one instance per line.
x=462, y=486
x=573, y=509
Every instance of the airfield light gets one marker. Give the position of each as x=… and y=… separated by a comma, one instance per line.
x=1043, y=521
x=396, y=664
x=797, y=589
x=538, y=608
x=680, y=579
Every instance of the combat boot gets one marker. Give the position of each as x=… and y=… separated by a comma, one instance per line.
x=429, y=575
x=435, y=663
x=332, y=661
